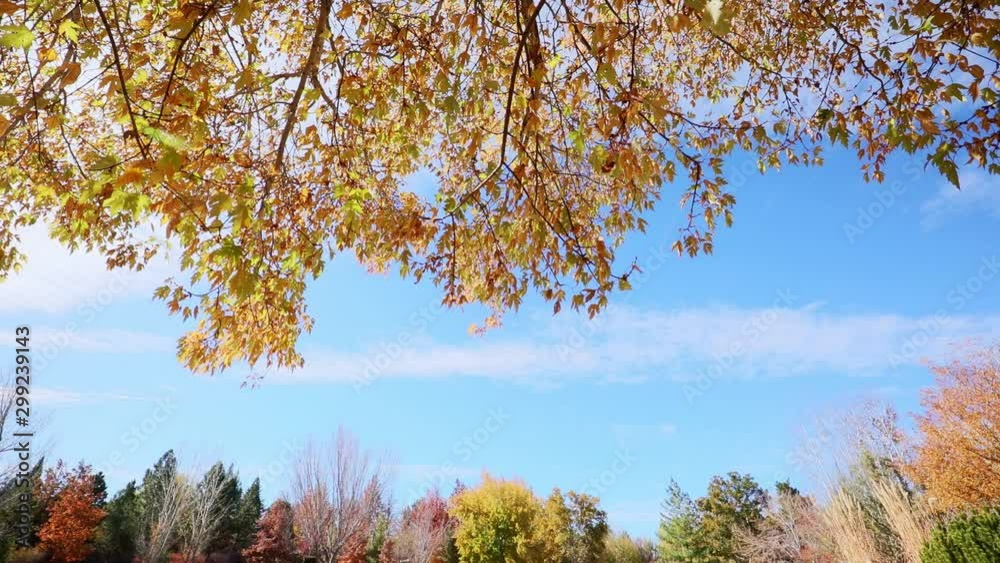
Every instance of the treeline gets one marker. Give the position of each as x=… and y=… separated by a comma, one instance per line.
x=885, y=497
x=337, y=511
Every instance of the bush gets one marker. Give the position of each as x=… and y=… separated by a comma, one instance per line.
x=970, y=538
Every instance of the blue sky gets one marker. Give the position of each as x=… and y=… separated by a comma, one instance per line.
x=825, y=292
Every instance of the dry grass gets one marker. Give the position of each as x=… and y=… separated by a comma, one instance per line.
x=909, y=519
x=845, y=524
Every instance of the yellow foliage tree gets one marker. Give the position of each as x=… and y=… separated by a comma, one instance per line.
x=265, y=137
x=502, y=522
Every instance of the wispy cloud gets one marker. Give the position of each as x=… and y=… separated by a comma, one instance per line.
x=102, y=340
x=55, y=280
x=56, y=396
x=48, y=342
x=980, y=193
x=630, y=344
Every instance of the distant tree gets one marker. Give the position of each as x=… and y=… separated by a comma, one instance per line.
x=73, y=514
x=228, y=527
x=164, y=500
x=206, y=512
x=498, y=523
x=388, y=552
x=790, y=532
x=378, y=538
x=681, y=537
x=958, y=459
x=273, y=541
x=969, y=538
x=337, y=497
x=451, y=554
x=355, y=550
x=733, y=502
x=117, y=533
x=248, y=514
x=622, y=548
x=424, y=530
x=100, y=490
x=575, y=527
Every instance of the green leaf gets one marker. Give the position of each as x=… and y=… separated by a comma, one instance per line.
x=168, y=140
x=950, y=171
x=68, y=30
x=16, y=36
x=118, y=201
x=105, y=162
x=577, y=139
x=8, y=100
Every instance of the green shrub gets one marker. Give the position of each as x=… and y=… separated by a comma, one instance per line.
x=970, y=538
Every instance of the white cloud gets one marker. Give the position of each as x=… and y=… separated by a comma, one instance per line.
x=101, y=340
x=980, y=193
x=55, y=280
x=630, y=344
x=56, y=396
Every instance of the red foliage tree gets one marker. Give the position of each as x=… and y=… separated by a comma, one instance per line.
x=425, y=529
x=355, y=549
x=73, y=514
x=274, y=536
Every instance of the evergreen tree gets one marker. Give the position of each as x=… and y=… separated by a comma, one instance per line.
x=733, y=502
x=681, y=537
x=247, y=516
x=969, y=538
x=227, y=530
x=116, y=535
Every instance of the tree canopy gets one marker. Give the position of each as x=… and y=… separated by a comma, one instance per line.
x=263, y=138
x=958, y=459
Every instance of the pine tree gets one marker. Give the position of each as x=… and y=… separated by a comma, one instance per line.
x=116, y=535
x=247, y=516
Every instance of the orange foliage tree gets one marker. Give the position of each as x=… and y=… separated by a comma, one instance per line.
x=73, y=515
x=274, y=543
x=958, y=460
